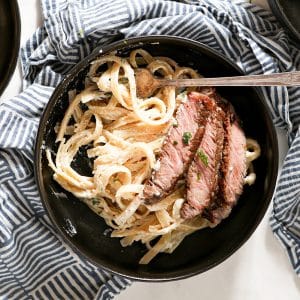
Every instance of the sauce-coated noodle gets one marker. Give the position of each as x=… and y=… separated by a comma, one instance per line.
x=124, y=134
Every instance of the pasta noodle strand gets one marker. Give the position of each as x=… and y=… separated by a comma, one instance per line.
x=123, y=135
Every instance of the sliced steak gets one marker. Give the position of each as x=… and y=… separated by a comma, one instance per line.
x=233, y=169
x=179, y=146
x=203, y=173
x=218, y=213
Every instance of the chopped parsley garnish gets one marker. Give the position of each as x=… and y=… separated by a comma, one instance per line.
x=175, y=143
x=198, y=176
x=95, y=201
x=186, y=137
x=108, y=94
x=203, y=157
x=123, y=80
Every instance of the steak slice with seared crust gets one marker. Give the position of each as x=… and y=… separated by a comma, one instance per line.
x=233, y=169
x=179, y=146
x=203, y=173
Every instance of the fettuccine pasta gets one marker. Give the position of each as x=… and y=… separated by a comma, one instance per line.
x=124, y=135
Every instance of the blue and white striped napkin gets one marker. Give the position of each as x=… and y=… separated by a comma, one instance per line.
x=34, y=262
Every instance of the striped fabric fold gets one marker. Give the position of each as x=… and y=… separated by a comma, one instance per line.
x=35, y=263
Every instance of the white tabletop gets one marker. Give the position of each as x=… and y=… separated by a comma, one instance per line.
x=258, y=270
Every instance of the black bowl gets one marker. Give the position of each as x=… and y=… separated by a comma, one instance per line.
x=287, y=12
x=10, y=40
x=85, y=231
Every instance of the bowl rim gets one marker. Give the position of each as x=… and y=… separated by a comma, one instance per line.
x=121, y=271
x=16, y=19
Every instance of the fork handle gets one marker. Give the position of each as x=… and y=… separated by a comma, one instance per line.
x=275, y=79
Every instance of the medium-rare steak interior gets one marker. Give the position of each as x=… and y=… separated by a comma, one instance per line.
x=203, y=173
x=233, y=170
x=206, y=147
x=180, y=146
